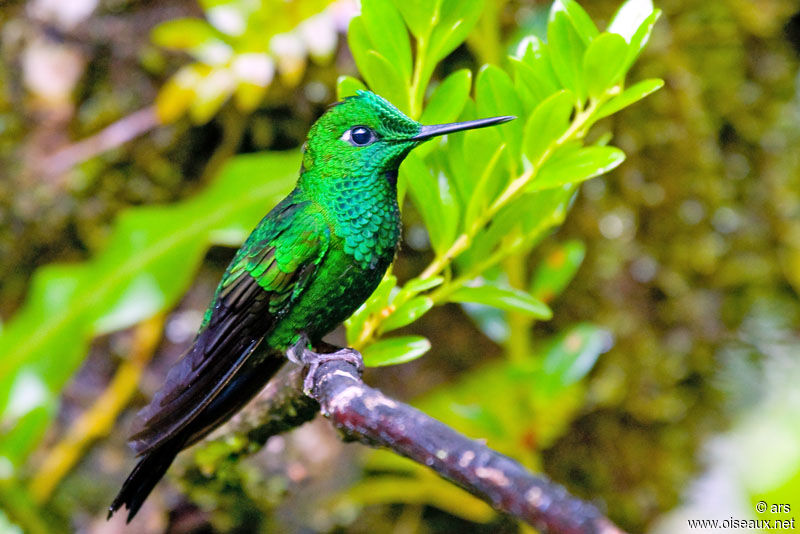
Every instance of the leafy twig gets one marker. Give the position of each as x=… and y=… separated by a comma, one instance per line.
x=577, y=129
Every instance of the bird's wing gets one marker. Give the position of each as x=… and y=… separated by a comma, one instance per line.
x=270, y=270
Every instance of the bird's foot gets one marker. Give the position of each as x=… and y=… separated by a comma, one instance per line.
x=296, y=351
x=313, y=360
x=301, y=355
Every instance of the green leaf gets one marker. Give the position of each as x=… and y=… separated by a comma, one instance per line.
x=384, y=79
x=448, y=99
x=504, y=298
x=469, y=156
x=480, y=196
x=439, y=26
x=532, y=214
x=634, y=21
x=455, y=20
x=581, y=21
x=394, y=350
x=577, y=166
x=566, y=52
x=556, y=270
x=573, y=354
x=531, y=86
x=433, y=198
x=183, y=34
x=494, y=96
x=378, y=300
x=547, y=123
x=535, y=54
x=381, y=75
x=347, y=86
x=419, y=15
x=388, y=34
x=632, y=94
x=629, y=17
x=149, y=262
x=407, y=313
x=358, y=41
x=418, y=285
x=493, y=322
x=604, y=63
x=640, y=38
x=551, y=206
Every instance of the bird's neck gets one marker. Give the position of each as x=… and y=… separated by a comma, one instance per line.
x=361, y=209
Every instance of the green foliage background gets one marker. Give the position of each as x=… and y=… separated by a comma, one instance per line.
x=687, y=256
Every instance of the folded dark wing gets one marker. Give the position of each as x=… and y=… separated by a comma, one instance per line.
x=269, y=272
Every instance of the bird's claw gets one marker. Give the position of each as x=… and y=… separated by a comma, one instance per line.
x=313, y=360
x=300, y=354
x=296, y=352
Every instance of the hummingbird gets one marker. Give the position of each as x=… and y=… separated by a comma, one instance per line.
x=309, y=264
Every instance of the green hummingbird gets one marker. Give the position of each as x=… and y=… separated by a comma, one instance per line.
x=309, y=264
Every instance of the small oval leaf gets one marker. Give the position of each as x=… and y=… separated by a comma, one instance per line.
x=448, y=98
x=456, y=18
x=556, y=270
x=384, y=79
x=418, y=14
x=573, y=354
x=503, y=298
x=580, y=19
x=640, y=38
x=434, y=199
x=379, y=299
x=494, y=96
x=529, y=80
x=394, y=350
x=566, y=52
x=407, y=313
x=546, y=124
x=604, y=63
x=629, y=17
x=347, y=86
x=629, y=96
x=388, y=34
x=577, y=166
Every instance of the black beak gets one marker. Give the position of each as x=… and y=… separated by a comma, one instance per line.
x=433, y=130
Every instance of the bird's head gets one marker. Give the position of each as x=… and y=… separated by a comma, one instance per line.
x=365, y=135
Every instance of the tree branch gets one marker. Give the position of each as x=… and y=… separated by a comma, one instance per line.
x=112, y=136
x=364, y=414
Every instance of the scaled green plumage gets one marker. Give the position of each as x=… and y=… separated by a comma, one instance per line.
x=310, y=262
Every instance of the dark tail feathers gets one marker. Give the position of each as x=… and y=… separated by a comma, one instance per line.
x=142, y=479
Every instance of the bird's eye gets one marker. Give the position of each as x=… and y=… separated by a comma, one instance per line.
x=359, y=136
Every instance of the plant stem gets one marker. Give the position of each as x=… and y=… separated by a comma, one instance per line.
x=518, y=345
x=415, y=101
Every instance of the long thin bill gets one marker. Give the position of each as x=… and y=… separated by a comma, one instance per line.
x=433, y=130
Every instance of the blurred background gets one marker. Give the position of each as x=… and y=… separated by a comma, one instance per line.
x=690, y=262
